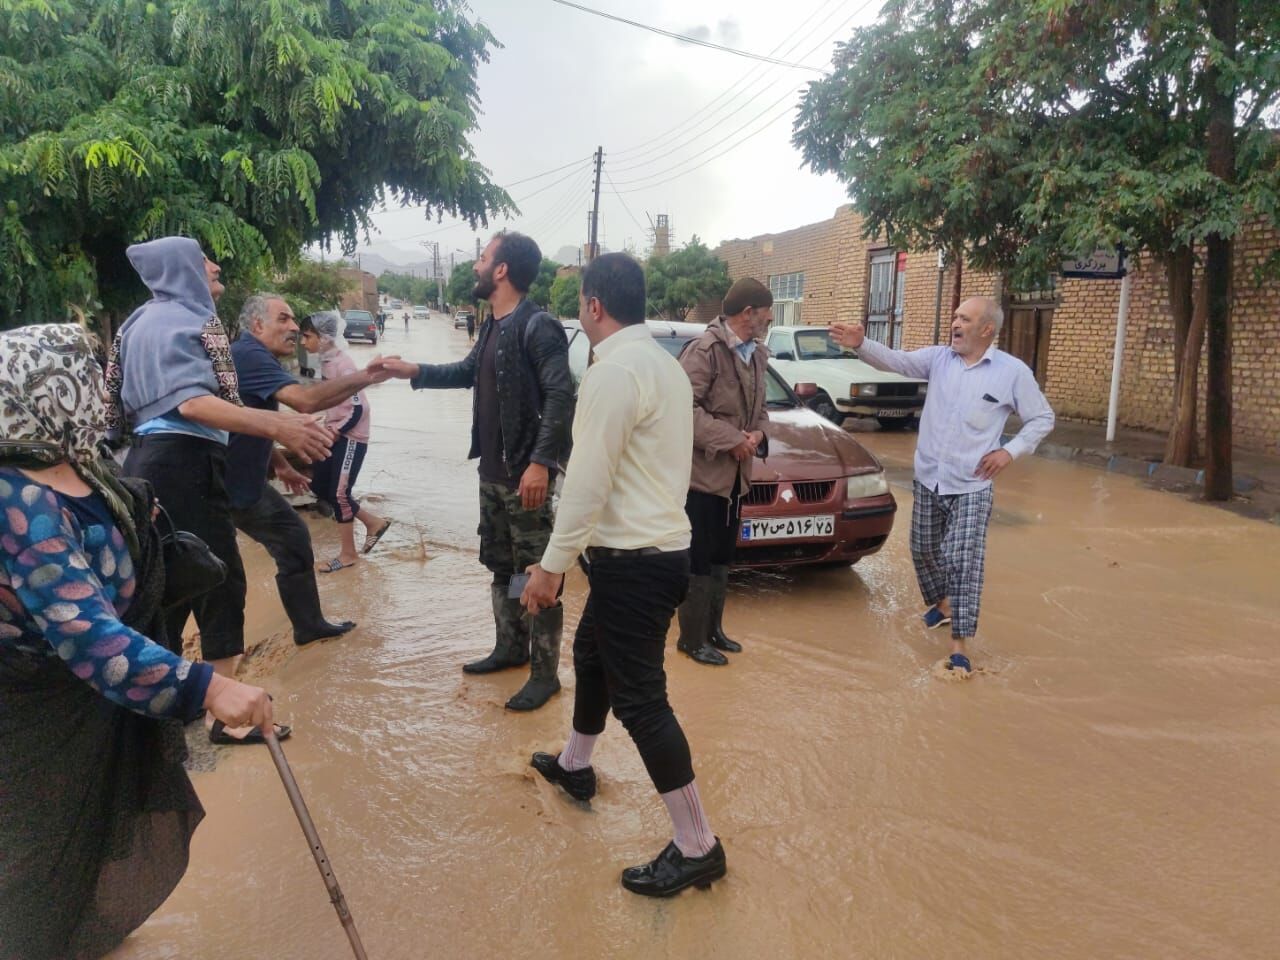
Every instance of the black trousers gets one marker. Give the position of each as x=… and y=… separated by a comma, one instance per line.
x=276, y=525
x=715, y=530
x=188, y=476
x=618, y=659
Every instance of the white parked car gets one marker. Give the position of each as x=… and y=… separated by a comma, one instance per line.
x=847, y=387
x=420, y=313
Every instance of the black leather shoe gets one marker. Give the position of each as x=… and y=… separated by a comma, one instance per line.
x=721, y=642
x=493, y=663
x=671, y=871
x=704, y=654
x=579, y=784
x=323, y=631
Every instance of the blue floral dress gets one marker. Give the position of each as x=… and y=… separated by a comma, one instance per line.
x=66, y=578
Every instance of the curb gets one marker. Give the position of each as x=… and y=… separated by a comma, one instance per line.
x=1152, y=470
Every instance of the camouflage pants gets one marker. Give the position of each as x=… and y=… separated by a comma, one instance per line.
x=511, y=537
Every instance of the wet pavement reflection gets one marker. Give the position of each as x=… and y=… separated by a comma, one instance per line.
x=1106, y=787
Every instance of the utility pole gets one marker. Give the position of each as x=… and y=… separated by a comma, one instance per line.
x=477, y=248
x=594, y=247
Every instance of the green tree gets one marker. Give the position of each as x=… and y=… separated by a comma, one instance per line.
x=540, y=289
x=461, y=282
x=564, y=295
x=678, y=282
x=254, y=127
x=1014, y=132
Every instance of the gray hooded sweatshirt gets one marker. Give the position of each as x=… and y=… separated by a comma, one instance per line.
x=163, y=360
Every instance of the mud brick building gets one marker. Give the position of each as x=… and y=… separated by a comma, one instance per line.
x=828, y=271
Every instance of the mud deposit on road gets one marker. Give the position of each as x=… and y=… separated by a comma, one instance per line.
x=1106, y=788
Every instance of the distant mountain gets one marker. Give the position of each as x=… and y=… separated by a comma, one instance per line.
x=378, y=265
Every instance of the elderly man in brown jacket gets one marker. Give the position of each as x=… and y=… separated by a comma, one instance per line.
x=726, y=366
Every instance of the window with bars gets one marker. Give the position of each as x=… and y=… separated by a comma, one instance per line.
x=886, y=292
x=787, y=286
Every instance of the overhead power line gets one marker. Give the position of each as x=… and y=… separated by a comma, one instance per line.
x=687, y=39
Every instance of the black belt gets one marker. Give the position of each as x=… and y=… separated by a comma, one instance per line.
x=596, y=553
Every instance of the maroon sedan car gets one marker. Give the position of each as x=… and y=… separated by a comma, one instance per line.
x=819, y=497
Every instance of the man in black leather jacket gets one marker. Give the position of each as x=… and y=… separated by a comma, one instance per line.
x=522, y=411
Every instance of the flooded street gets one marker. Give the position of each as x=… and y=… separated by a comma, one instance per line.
x=1106, y=787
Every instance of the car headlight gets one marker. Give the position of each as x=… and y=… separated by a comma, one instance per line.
x=923, y=389
x=862, y=390
x=866, y=485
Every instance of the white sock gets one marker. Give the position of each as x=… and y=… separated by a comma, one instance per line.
x=576, y=754
x=693, y=832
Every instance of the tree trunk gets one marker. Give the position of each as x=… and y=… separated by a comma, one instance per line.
x=957, y=257
x=1180, y=450
x=1221, y=101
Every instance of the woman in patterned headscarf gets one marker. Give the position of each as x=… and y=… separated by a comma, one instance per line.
x=96, y=812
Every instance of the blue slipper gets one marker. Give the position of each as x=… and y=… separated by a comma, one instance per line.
x=959, y=661
x=933, y=617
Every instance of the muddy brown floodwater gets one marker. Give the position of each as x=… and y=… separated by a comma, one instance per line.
x=1107, y=788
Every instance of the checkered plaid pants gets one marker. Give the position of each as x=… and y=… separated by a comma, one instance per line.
x=949, y=547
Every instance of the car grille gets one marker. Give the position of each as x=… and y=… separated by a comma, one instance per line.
x=761, y=494
x=814, y=491
x=897, y=389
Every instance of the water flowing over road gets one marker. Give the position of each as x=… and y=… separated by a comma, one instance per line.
x=1105, y=787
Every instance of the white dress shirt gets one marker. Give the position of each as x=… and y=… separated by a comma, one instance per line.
x=965, y=410
x=628, y=475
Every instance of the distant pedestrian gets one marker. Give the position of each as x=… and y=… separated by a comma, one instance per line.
x=332, y=480
x=621, y=507
x=973, y=388
x=522, y=407
x=406, y=322
x=173, y=384
x=471, y=328
x=727, y=366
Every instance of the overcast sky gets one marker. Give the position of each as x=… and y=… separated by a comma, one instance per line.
x=565, y=82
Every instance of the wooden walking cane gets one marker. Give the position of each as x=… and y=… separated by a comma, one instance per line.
x=317, y=849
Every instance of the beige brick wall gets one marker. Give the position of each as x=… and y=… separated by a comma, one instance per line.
x=834, y=257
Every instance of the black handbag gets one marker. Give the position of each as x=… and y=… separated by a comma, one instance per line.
x=191, y=569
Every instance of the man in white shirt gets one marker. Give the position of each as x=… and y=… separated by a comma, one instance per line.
x=973, y=387
x=622, y=507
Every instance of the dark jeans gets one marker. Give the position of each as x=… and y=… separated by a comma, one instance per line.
x=277, y=526
x=715, y=530
x=188, y=476
x=617, y=659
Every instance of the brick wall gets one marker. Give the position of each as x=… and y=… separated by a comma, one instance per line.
x=834, y=257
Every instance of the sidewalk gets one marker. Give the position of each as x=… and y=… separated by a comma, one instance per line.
x=1138, y=453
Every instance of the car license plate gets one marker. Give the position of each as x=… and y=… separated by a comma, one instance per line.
x=788, y=528
x=887, y=412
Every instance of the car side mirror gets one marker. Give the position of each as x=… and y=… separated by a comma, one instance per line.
x=784, y=355
x=806, y=391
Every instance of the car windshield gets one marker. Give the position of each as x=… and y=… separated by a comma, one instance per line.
x=776, y=393
x=818, y=345
x=359, y=315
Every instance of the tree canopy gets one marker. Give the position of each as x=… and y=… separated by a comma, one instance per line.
x=679, y=281
x=540, y=289
x=564, y=295
x=254, y=127
x=1013, y=133
x=461, y=282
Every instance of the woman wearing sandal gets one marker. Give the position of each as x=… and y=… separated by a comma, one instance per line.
x=97, y=812
x=332, y=479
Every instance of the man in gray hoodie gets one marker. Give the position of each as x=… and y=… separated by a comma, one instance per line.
x=175, y=388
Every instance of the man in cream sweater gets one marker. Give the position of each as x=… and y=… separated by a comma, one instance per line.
x=622, y=507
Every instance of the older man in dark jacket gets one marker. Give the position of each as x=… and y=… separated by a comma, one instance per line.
x=522, y=413
x=727, y=368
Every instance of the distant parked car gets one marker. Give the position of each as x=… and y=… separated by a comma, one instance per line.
x=819, y=498
x=360, y=325
x=397, y=304
x=846, y=387
x=461, y=317
x=421, y=313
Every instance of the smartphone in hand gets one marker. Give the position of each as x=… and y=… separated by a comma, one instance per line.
x=516, y=585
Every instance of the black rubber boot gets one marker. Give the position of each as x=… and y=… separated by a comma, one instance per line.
x=695, y=624
x=301, y=599
x=544, y=659
x=720, y=586
x=512, y=646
